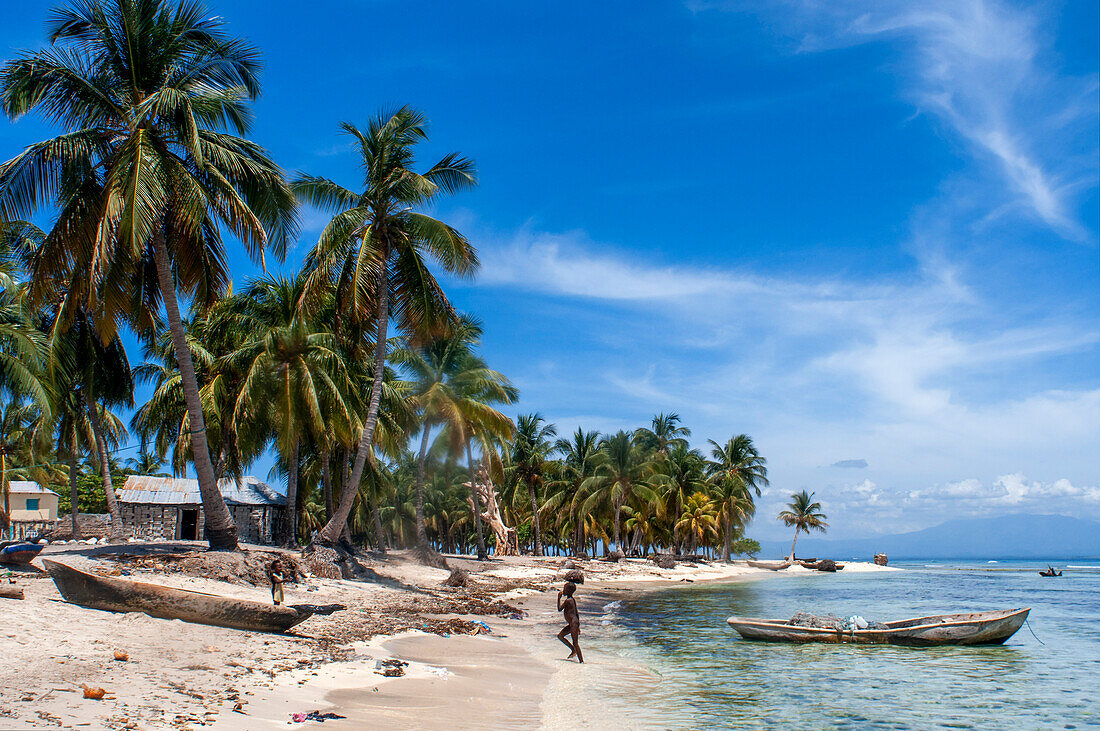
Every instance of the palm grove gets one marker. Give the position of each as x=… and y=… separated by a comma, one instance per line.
x=356, y=372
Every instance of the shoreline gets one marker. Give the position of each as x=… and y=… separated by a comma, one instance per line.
x=184, y=676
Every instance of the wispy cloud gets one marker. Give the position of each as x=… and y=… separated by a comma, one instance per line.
x=984, y=69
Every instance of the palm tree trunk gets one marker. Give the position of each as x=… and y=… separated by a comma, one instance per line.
x=380, y=541
x=331, y=531
x=221, y=531
x=791, y=557
x=105, y=468
x=579, y=535
x=726, y=539
x=74, y=492
x=482, y=554
x=676, y=524
x=421, y=532
x=616, y=507
x=326, y=482
x=292, y=496
x=535, y=518
x=6, y=489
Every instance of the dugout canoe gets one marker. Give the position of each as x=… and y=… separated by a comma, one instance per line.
x=19, y=553
x=116, y=594
x=975, y=628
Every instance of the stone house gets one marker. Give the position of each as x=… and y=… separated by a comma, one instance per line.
x=170, y=508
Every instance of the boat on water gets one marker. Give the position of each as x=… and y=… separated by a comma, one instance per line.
x=769, y=565
x=1049, y=572
x=973, y=628
x=116, y=594
x=19, y=553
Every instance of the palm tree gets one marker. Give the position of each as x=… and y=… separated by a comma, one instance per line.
x=292, y=369
x=143, y=174
x=804, y=514
x=531, y=447
x=146, y=463
x=17, y=444
x=452, y=388
x=737, y=471
x=621, y=475
x=372, y=254
x=664, y=433
x=580, y=457
x=699, y=520
x=680, y=475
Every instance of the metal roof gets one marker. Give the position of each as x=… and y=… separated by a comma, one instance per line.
x=26, y=487
x=182, y=491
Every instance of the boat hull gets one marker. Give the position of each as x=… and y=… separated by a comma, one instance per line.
x=121, y=595
x=19, y=554
x=977, y=628
x=769, y=565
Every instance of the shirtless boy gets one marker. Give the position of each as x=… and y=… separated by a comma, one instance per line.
x=567, y=604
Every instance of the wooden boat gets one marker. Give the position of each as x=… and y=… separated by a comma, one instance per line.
x=1050, y=572
x=815, y=565
x=769, y=565
x=19, y=553
x=976, y=628
x=122, y=595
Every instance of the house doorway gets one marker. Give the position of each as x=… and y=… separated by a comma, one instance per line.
x=189, y=525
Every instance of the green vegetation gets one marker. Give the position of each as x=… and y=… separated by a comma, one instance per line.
x=355, y=372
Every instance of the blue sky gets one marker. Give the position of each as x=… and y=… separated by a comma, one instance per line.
x=865, y=233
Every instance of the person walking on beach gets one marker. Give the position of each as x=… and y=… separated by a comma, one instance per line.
x=567, y=604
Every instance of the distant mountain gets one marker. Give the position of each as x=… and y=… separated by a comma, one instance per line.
x=1006, y=537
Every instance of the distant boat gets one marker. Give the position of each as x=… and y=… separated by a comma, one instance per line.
x=769, y=565
x=975, y=628
x=1049, y=571
x=166, y=602
x=19, y=553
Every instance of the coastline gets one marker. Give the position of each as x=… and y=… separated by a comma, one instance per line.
x=182, y=675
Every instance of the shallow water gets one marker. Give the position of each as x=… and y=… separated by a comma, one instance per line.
x=706, y=676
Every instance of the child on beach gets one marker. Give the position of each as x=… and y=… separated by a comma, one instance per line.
x=275, y=573
x=567, y=604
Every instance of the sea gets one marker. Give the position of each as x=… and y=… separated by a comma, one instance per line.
x=689, y=670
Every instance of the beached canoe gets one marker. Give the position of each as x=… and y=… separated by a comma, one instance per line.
x=976, y=628
x=19, y=553
x=769, y=565
x=122, y=595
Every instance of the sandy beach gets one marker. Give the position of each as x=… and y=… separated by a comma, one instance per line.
x=180, y=675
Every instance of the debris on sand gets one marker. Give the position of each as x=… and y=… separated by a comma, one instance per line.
x=96, y=694
x=121, y=656
x=458, y=577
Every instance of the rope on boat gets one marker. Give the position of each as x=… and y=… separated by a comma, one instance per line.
x=1029, y=629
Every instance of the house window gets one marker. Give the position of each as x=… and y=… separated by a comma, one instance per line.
x=32, y=503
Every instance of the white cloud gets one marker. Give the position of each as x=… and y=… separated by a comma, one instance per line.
x=981, y=68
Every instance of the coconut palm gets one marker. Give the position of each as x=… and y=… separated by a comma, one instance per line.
x=143, y=175
x=146, y=463
x=804, y=514
x=373, y=254
x=679, y=475
x=452, y=388
x=580, y=456
x=737, y=471
x=620, y=476
x=531, y=447
x=292, y=369
x=663, y=434
x=699, y=520
x=17, y=444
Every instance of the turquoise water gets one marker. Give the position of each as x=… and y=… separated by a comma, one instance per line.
x=707, y=677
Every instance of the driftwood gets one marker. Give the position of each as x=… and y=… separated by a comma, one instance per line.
x=11, y=592
x=507, y=544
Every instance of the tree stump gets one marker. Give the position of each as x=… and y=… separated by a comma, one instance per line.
x=664, y=561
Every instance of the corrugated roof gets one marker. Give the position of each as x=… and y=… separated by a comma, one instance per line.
x=183, y=491
x=27, y=487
